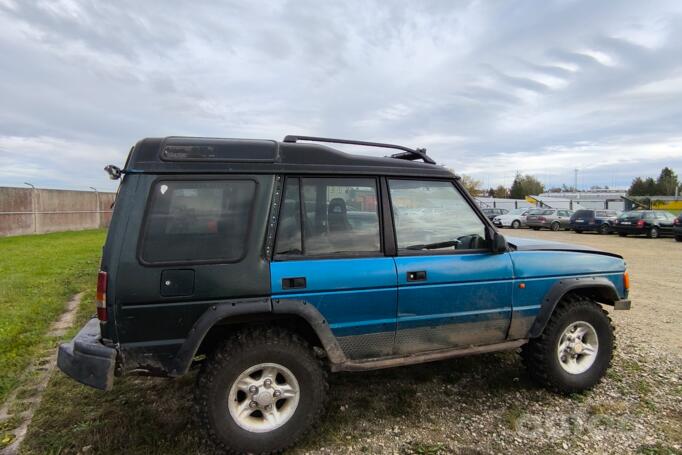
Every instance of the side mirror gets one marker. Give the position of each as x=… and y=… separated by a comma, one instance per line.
x=499, y=243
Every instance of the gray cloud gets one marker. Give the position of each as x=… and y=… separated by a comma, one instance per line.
x=489, y=87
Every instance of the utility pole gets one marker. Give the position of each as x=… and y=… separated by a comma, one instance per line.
x=575, y=180
x=33, y=206
x=97, y=213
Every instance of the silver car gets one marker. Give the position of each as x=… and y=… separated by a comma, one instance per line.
x=554, y=219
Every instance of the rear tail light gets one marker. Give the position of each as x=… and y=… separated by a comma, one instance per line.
x=640, y=223
x=101, y=298
x=626, y=281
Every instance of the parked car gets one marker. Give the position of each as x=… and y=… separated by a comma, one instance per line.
x=652, y=223
x=593, y=220
x=269, y=264
x=553, y=219
x=492, y=213
x=677, y=228
x=514, y=219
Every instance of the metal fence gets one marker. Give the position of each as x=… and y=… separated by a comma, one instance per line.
x=38, y=210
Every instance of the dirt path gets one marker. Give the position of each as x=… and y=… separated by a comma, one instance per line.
x=17, y=411
x=656, y=284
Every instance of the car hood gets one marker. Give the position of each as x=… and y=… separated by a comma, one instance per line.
x=523, y=244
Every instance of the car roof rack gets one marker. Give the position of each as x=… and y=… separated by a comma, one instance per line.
x=407, y=153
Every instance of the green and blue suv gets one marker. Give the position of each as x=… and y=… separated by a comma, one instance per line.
x=269, y=264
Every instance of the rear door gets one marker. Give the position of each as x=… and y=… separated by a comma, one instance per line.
x=564, y=217
x=329, y=252
x=452, y=289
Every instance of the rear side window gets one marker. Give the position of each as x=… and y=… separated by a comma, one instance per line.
x=336, y=216
x=198, y=221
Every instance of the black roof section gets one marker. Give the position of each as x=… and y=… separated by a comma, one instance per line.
x=174, y=155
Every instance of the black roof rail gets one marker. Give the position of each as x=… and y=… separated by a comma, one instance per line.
x=407, y=154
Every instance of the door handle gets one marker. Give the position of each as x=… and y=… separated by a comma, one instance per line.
x=419, y=275
x=294, y=283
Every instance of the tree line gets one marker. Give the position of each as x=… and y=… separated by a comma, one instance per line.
x=666, y=184
x=524, y=185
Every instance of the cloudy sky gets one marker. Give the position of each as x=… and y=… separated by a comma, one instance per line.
x=489, y=87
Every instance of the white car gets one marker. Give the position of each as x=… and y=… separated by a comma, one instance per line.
x=514, y=219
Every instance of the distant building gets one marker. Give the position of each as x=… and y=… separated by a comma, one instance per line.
x=601, y=199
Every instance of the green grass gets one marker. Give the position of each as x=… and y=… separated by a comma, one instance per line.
x=38, y=274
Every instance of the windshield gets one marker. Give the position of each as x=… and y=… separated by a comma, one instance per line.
x=518, y=211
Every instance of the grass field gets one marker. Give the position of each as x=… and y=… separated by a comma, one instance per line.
x=38, y=274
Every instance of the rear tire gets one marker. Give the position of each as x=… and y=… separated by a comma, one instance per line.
x=622, y=234
x=260, y=392
x=678, y=238
x=550, y=359
x=604, y=229
x=536, y=228
x=516, y=224
x=578, y=231
x=653, y=233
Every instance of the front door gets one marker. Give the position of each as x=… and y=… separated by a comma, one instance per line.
x=452, y=289
x=329, y=252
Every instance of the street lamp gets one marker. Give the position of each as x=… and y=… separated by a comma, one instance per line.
x=33, y=206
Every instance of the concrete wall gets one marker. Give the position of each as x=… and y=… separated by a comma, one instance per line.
x=38, y=211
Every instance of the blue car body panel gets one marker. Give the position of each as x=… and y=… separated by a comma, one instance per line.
x=357, y=297
x=465, y=299
x=540, y=270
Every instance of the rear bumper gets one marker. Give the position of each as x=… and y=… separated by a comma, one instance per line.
x=632, y=230
x=585, y=226
x=87, y=360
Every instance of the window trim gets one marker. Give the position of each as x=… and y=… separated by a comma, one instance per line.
x=197, y=178
x=344, y=255
x=487, y=224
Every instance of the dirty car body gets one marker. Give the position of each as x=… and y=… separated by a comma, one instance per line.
x=374, y=262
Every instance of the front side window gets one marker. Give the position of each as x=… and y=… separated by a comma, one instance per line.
x=433, y=215
x=197, y=221
x=336, y=216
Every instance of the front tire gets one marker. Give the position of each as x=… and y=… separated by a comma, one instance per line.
x=604, y=229
x=555, y=226
x=574, y=350
x=653, y=233
x=678, y=238
x=516, y=224
x=260, y=392
x=622, y=234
